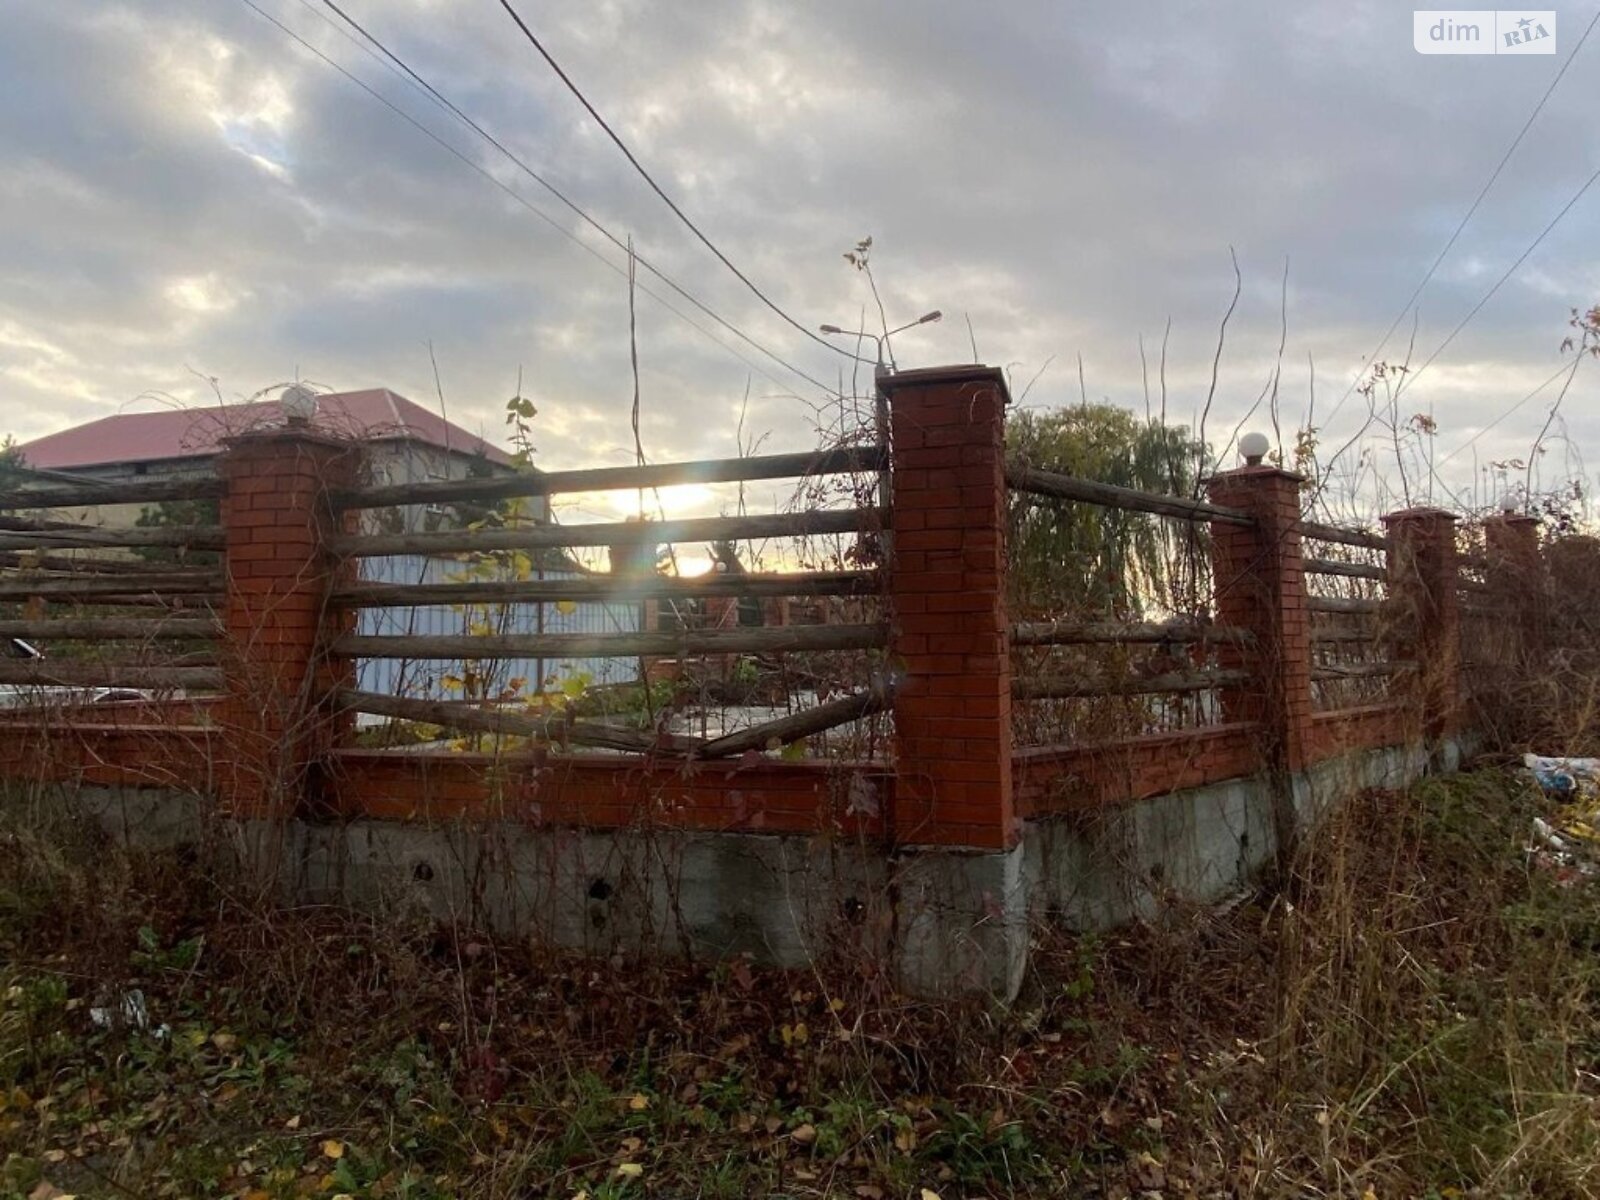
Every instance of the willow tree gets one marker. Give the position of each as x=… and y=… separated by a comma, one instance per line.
x=1072, y=559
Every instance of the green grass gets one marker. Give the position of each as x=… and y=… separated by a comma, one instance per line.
x=1418, y=1016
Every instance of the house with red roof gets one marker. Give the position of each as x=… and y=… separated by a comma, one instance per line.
x=406, y=443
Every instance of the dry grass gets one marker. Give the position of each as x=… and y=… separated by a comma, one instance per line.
x=1419, y=1017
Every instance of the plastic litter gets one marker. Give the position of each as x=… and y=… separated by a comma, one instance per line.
x=128, y=1011
x=1568, y=845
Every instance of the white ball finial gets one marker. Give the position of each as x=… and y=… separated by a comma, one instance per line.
x=298, y=403
x=1253, y=447
x=1509, y=503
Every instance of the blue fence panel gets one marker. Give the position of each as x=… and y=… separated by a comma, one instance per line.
x=423, y=678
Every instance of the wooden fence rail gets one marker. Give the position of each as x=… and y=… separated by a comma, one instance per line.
x=100, y=588
x=1362, y=538
x=1133, y=685
x=614, y=533
x=50, y=673
x=1328, y=566
x=112, y=628
x=1075, y=633
x=1056, y=486
x=91, y=495
x=608, y=590
x=772, y=640
x=845, y=460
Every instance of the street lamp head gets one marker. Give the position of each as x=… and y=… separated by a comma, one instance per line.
x=298, y=404
x=831, y=329
x=1254, y=447
x=930, y=318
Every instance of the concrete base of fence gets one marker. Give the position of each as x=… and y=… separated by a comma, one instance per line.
x=1125, y=863
x=949, y=923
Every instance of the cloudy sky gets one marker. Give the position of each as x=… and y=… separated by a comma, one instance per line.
x=187, y=193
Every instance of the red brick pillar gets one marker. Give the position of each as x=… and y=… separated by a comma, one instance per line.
x=949, y=630
x=1424, y=577
x=1260, y=587
x=278, y=521
x=1517, y=587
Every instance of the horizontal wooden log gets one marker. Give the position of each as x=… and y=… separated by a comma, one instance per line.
x=768, y=640
x=135, y=491
x=193, y=537
x=790, y=729
x=556, y=727
x=34, y=524
x=89, y=563
x=1074, y=633
x=1364, y=634
x=99, y=588
x=1132, y=685
x=1349, y=605
x=89, y=674
x=111, y=628
x=609, y=589
x=1328, y=566
x=1327, y=673
x=1344, y=537
x=602, y=479
x=614, y=533
x=1067, y=487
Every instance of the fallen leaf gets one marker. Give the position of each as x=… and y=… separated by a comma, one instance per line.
x=224, y=1042
x=869, y=1191
x=639, y=1102
x=293, y=1122
x=333, y=1149
x=805, y=1134
x=929, y=1194
x=630, y=1170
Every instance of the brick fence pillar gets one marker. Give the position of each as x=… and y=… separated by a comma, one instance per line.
x=277, y=518
x=950, y=636
x=961, y=903
x=1260, y=587
x=1515, y=575
x=1424, y=575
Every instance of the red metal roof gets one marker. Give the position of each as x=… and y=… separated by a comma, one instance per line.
x=375, y=414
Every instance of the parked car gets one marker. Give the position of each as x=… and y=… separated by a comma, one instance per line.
x=40, y=695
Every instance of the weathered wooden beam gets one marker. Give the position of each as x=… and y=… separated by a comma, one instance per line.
x=768, y=640
x=601, y=479
x=1329, y=566
x=792, y=728
x=1075, y=633
x=555, y=727
x=1344, y=537
x=1132, y=685
x=619, y=589
x=84, y=564
x=112, y=628
x=1343, y=604
x=102, y=587
x=614, y=533
x=82, y=673
x=1068, y=487
x=1326, y=673
x=193, y=537
x=1365, y=634
x=90, y=495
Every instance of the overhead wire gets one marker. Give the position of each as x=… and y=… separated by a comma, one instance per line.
x=1467, y=217
x=416, y=80
x=514, y=195
x=656, y=187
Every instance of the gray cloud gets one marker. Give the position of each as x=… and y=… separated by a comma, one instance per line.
x=184, y=187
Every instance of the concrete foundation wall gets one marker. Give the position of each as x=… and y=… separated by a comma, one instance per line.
x=944, y=922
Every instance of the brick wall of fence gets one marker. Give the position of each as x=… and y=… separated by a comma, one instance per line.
x=265, y=726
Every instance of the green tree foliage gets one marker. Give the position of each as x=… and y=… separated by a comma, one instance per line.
x=1070, y=559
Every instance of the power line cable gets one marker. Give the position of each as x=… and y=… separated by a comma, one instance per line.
x=656, y=187
x=509, y=191
x=416, y=80
x=1411, y=377
x=1462, y=224
x=1505, y=416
